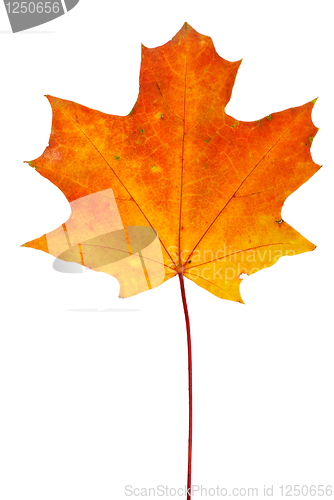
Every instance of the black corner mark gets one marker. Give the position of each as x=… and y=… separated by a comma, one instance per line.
x=70, y=4
x=28, y=14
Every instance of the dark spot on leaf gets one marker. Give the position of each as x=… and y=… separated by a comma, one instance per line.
x=280, y=221
x=116, y=157
x=269, y=117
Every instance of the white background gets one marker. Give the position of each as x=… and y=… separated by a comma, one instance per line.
x=93, y=388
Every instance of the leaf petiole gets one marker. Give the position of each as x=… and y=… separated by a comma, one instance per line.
x=186, y=315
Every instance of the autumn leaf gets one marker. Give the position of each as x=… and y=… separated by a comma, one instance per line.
x=209, y=188
x=212, y=187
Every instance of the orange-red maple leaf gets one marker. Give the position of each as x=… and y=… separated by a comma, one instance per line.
x=211, y=187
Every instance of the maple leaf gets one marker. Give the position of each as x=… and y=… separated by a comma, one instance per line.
x=177, y=187
x=211, y=187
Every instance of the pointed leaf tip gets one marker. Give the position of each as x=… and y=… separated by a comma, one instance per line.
x=30, y=163
x=186, y=26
